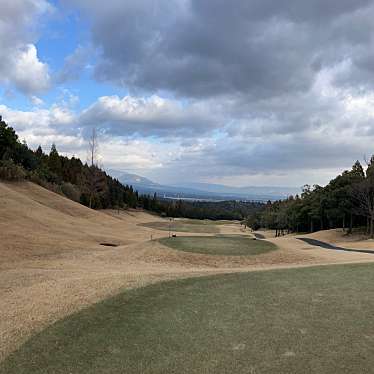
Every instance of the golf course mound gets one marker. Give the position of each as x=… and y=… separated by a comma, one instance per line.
x=282, y=321
x=222, y=245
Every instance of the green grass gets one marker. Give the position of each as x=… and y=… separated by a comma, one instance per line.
x=225, y=245
x=206, y=221
x=310, y=320
x=184, y=226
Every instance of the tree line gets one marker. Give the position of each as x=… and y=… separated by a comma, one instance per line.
x=82, y=182
x=89, y=185
x=214, y=210
x=347, y=201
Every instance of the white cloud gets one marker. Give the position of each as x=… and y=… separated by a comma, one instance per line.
x=45, y=127
x=27, y=72
x=152, y=116
x=19, y=63
x=167, y=139
x=134, y=154
x=37, y=101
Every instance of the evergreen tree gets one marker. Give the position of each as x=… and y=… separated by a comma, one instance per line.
x=39, y=152
x=8, y=141
x=54, y=161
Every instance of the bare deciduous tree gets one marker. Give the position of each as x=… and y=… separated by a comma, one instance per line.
x=96, y=178
x=93, y=149
x=363, y=196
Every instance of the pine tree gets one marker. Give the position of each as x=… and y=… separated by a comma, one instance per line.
x=39, y=152
x=54, y=161
x=358, y=170
x=8, y=141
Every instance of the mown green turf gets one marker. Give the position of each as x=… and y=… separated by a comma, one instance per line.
x=310, y=320
x=207, y=221
x=226, y=245
x=184, y=226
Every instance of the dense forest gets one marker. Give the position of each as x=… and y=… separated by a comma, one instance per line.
x=88, y=184
x=347, y=202
x=84, y=183
x=222, y=210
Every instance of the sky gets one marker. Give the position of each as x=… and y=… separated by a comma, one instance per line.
x=241, y=92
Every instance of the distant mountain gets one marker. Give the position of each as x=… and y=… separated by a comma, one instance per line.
x=145, y=185
x=133, y=179
x=203, y=191
x=249, y=190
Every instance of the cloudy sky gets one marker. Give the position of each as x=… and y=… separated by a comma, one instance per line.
x=241, y=92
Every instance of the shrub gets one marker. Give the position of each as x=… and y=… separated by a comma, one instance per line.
x=71, y=192
x=34, y=177
x=10, y=171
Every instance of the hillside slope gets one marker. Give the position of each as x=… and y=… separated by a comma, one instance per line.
x=35, y=221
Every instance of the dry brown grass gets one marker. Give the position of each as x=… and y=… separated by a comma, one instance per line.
x=52, y=263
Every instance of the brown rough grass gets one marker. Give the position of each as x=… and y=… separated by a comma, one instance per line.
x=52, y=263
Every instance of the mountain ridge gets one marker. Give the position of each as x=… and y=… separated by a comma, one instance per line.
x=197, y=190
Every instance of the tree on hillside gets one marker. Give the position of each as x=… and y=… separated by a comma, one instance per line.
x=363, y=195
x=93, y=149
x=319, y=208
x=350, y=178
x=8, y=141
x=357, y=171
x=340, y=206
x=95, y=178
x=86, y=183
x=54, y=161
x=39, y=152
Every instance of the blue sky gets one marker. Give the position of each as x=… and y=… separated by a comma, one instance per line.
x=244, y=93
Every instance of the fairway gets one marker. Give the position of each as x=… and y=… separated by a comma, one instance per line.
x=185, y=226
x=224, y=245
x=315, y=320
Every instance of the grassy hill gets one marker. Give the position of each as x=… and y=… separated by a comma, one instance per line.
x=36, y=221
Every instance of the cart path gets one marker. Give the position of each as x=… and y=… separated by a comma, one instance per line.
x=325, y=245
